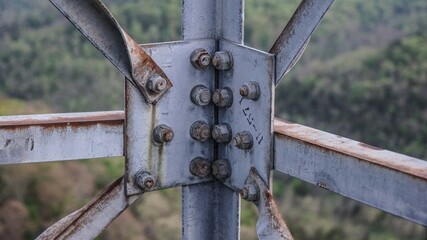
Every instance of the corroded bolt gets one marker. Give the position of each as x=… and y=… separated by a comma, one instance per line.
x=200, y=167
x=221, y=169
x=223, y=60
x=200, y=95
x=144, y=180
x=250, y=91
x=223, y=97
x=250, y=193
x=200, y=131
x=156, y=84
x=222, y=133
x=243, y=140
x=200, y=58
x=162, y=134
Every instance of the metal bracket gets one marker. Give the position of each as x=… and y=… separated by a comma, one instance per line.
x=249, y=114
x=169, y=162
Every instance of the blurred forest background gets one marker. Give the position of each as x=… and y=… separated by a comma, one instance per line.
x=363, y=76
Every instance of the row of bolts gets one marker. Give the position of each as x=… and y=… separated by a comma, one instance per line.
x=200, y=130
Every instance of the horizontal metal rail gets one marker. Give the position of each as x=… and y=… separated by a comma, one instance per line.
x=383, y=179
x=68, y=136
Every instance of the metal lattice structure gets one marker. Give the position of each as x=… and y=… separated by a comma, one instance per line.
x=199, y=114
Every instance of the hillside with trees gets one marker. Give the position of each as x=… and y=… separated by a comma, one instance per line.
x=363, y=76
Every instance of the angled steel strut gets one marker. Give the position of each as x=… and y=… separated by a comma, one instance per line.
x=212, y=132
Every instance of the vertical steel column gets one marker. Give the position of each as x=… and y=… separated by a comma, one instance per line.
x=211, y=210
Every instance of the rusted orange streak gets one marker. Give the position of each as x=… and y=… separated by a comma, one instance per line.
x=345, y=146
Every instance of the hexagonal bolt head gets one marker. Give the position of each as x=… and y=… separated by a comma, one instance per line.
x=250, y=91
x=250, y=193
x=243, y=140
x=223, y=60
x=222, y=133
x=156, y=83
x=200, y=58
x=162, y=134
x=200, y=131
x=200, y=167
x=200, y=95
x=221, y=169
x=144, y=180
x=223, y=97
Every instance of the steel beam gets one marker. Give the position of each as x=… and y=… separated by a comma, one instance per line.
x=89, y=221
x=389, y=181
x=53, y=137
x=200, y=19
x=97, y=24
x=290, y=44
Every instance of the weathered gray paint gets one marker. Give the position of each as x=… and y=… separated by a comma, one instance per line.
x=54, y=137
x=169, y=162
x=254, y=116
x=291, y=42
x=392, y=182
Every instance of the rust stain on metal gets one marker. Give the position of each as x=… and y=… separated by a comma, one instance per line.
x=113, y=118
x=75, y=222
x=339, y=145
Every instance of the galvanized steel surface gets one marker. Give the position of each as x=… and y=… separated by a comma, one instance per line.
x=386, y=180
x=67, y=136
x=291, y=43
x=169, y=162
x=252, y=116
x=97, y=24
x=89, y=221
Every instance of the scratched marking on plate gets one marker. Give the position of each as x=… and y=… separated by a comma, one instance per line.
x=249, y=116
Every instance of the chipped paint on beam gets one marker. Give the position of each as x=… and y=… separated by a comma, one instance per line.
x=392, y=182
x=54, y=137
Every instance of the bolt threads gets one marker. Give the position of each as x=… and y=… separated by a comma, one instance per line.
x=250, y=91
x=144, y=180
x=200, y=58
x=200, y=131
x=200, y=167
x=156, y=84
x=163, y=134
x=250, y=193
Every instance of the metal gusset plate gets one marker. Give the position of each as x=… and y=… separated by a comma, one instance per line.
x=250, y=116
x=169, y=161
x=291, y=43
x=89, y=221
x=270, y=224
x=97, y=24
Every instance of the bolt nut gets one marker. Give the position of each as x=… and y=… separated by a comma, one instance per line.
x=222, y=133
x=156, y=83
x=243, y=140
x=221, y=169
x=144, y=180
x=223, y=60
x=162, y=134
x=223, y=97
x=200, y=131
x=200, y=95
x=200, y=58
x=200, y=167
x=250, y=90
x=250, y=193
